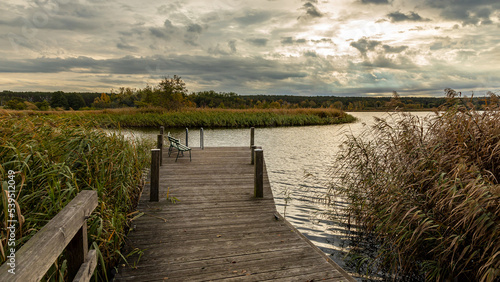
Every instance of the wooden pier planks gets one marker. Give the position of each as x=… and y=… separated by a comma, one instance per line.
x=218, y=230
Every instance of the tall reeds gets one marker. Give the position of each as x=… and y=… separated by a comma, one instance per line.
x=205, y=117
x=424, y=194
x=54, y=158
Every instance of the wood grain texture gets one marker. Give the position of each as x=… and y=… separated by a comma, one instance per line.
x=86, y=270
x=218, y=230
x=40, y=252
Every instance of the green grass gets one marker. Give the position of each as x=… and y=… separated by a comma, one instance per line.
x=208, y=118
x=424, y=194
x=54, y=158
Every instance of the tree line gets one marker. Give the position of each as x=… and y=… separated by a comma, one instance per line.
x=172, y=94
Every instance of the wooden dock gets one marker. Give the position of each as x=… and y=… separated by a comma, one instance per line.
x=218, y=230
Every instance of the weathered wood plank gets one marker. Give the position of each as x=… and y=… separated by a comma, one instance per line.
x=219, y=229
x=40, y=252
x=87, y=269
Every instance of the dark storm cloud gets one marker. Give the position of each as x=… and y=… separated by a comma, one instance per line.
x=400, y=17
x=364, y=45
x=208, y=68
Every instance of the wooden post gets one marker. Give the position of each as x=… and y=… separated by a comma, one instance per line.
x=202, y=141
x=162, y=130
x=160, y=146
x=187, y=137
x=76, y=251
x=155, y=175
x=252, y=136
x=253, y=154
x=259, y=174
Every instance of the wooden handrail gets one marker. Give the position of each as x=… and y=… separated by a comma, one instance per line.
x=67, y=230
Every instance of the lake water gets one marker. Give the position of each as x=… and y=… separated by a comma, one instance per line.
x=299, y=162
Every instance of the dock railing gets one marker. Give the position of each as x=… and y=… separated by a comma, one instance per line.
x=67, y=230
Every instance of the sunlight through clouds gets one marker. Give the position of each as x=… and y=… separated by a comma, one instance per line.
x=298, y=47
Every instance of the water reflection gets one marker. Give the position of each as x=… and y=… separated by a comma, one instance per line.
x=298, y=161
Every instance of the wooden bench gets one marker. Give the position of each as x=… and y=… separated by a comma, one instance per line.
x=176, y=144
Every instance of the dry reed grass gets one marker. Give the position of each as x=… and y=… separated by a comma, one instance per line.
x=426, y=193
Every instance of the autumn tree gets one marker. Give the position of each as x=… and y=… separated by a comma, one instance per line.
x=102, y=102
x=172, y=92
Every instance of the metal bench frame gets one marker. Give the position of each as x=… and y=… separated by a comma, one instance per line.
x=176, y=143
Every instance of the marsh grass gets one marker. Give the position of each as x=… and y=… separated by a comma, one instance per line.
x=424, y=194
x=56, y=157
x=204, y=117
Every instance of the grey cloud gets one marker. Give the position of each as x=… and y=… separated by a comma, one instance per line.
x=375, y=1
x=468, y=12
x=287, y=41
x=232, y=45
x=55, y=22
x=126, y=47
x=390, y=49
x=219, y=50
x=311, y=10
x=381, y=61
x=170, y=27
x=465, y=55
x=291, y=41
x=363, y=45
x=436, y=46
x=195, y=28
x=164, y=9
x=253, y=17
x=469, y=42
x=323, y=40
x=260, y=42
x=312, y=54
x=399, y=17
x=159, y=32
x=166, y=31
x=207, y=68
x=71, y=23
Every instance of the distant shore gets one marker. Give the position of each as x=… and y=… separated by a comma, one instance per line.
x=206, y=117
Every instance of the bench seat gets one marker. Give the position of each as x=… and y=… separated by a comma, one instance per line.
x=176, y=144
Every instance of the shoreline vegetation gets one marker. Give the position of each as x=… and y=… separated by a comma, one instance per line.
x=57, y=153
x=208, y=118
x=55, y=158
x=423, y=195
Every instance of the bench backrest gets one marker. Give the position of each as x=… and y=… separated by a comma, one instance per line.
x=173, y=139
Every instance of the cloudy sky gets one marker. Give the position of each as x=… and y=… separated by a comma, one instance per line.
x=296, y=47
